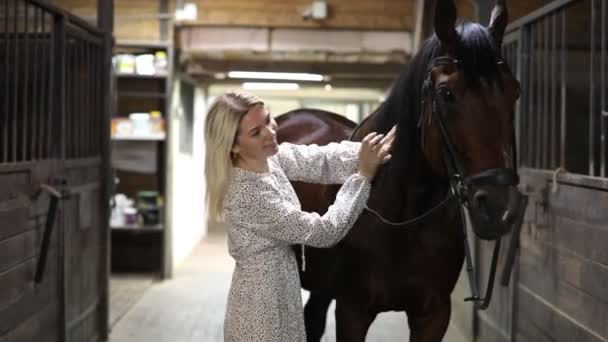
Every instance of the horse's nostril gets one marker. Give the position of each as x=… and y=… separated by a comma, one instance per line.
x=480, y=198
x=508, y=217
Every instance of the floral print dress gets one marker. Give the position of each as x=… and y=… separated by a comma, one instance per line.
x=264, y=218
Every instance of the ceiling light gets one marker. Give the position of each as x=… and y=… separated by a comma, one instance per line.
x=291, y=76
x=270, y=86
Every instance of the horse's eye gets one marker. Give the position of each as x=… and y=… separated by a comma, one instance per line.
x=446, y=94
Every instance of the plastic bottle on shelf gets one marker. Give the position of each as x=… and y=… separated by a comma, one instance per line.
x=157, y=123
x=160, y=62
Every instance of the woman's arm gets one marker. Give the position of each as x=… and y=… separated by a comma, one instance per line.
x=264, y=212
x=329, y=164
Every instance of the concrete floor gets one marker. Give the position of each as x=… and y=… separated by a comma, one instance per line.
x=191, y=306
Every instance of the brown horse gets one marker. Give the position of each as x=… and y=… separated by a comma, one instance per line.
x=454, y=109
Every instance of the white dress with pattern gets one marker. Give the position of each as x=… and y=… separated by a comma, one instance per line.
x=264, y=218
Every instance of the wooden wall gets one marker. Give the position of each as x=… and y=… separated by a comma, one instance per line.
x=28, y=312
x=133, y=19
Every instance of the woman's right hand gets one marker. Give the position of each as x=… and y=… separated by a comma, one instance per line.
x=375, y=150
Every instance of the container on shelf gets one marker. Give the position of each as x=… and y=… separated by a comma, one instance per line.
x=125, y=63
x=144, y=64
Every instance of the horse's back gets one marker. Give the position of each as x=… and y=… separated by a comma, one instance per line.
x=313, y=126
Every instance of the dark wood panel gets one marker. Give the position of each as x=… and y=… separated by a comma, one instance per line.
x=14, y=217
x=42, y=326
x=25, y=299
x=552, y=323
x=17, y=249
x=571, y=285
x=13, y=185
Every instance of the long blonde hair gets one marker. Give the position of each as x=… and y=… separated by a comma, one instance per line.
x=221, y=128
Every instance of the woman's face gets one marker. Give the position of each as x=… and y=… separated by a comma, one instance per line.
x=257, y=135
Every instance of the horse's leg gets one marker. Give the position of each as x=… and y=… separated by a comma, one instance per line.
x=315, y=316
x=432, y=326
x=352, y=322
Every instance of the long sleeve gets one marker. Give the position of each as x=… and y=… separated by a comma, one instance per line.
x=260, y=208
x=329, y=164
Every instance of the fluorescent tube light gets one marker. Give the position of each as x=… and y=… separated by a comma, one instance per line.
x=270, y=86
x=290, y=76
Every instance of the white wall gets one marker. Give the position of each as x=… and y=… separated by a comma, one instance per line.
x=188, y=209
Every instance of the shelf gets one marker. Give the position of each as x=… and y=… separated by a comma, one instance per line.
x=142, y=44
x=137, y=228
x=142, y=94
x=151, y=137
x=144, y=77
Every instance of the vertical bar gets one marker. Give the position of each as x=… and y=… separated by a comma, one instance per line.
x=6, y=115
x=56, y=123
x=34, y=86
x=44, y=88
x=531, y=91
x=51, y=83
x=592, y=94
x=26, y=85
x=70, y=98
x=105, y=21
x=522, y=67
x=563, y=92
x=546, y=109
x=603, y=89
x=15, y=136
x=554, y=117
x=538, y=97
x=87, y=101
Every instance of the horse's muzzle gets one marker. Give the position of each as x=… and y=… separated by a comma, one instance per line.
x=495, y=203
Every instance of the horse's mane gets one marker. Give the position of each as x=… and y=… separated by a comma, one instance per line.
x=478, y=56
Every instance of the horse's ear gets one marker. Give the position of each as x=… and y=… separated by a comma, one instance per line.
x=498, y=22
x=445, y=22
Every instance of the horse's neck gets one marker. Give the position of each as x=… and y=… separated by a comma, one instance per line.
x=409, y=189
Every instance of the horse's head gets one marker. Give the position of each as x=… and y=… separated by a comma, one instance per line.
x=467, y=120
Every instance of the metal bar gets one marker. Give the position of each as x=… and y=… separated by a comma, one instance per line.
x=554, y=117
x=603, y=87
x=34, y=87
x=26, y=85
x=522, y=59
x=87, y=118
x=58, y=124
x=46, y=238
x=44, y=88
x=546, y=148
x=50, y=111
x=71, y=98
x=6, y=115
x=592, y=94
x=542, y=12
x=530, y=97
x=537, y=115
x=563, y=93
x=15, y=136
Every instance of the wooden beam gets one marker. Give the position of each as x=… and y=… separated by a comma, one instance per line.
x=425, y=12
x=105, y=21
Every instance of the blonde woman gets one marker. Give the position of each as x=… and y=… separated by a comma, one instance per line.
x=248, y=177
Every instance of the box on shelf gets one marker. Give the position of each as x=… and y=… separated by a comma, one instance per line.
x=139, y=125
